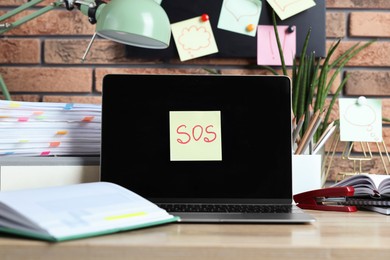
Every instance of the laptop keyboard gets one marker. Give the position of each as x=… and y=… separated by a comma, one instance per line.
x=226, y=208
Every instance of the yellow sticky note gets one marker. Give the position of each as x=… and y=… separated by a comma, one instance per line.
x=194, y=38
x=195, y=136
x=287, y=8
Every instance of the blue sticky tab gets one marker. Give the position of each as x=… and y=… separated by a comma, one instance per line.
x=68, y=106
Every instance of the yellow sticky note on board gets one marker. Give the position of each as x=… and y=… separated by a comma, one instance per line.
x=287, y=8
x=194, y=38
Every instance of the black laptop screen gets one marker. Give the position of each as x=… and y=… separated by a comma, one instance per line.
x=197, y=136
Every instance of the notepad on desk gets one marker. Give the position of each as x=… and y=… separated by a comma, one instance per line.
x=376, y=186
x=77, y=211
x=372, y=192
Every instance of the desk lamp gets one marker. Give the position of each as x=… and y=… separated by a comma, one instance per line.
x=140, y=23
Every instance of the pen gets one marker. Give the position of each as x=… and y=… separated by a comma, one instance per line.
x=306, y=135
x=314, y=123
x=313, y=131
x=298, y=128
x=325, y=137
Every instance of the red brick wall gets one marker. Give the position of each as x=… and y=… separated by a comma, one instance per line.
x=40, y=60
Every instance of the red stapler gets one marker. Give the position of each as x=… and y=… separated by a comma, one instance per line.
x=319, y=199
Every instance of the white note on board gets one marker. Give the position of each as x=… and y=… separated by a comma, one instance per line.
x=360, y=119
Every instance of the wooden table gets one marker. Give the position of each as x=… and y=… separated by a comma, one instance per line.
x=335, y=235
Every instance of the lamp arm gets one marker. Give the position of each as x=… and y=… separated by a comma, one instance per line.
x=19, y=9
x=9, y=26
x=87, y=7
x=90, y=8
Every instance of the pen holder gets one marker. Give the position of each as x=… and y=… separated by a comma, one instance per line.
x=307, y=172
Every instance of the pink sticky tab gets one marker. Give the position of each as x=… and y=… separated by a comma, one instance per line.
x=23, y=119
x=45, y=153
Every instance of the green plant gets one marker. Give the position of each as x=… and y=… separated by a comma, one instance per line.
x=312, y=79
x=4, y=89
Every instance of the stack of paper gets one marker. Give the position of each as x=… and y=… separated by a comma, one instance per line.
x=49, y=129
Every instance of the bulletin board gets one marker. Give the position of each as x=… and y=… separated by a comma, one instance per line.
x=234, y=45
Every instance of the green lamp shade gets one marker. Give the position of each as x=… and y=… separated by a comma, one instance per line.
x=141, y=23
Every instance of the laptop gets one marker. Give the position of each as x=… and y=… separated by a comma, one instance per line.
x=208, y=148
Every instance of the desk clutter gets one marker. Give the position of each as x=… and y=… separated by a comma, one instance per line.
x=49, y=129
x=361, y=191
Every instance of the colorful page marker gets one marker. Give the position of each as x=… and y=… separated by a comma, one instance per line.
x=88, y=118
x=28, y=128
x=45, y=153
x=23, y=119
x=62, y=132
x=194, y=38
x=68, y=106
x=240, y=16
x=267, y=46
x=287, y=8
x=54, y=144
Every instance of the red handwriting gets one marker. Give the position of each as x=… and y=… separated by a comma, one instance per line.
x=197, y=132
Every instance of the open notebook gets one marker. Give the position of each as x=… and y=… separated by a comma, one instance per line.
x=202, y=146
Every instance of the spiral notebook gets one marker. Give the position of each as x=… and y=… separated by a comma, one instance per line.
x=204, y=147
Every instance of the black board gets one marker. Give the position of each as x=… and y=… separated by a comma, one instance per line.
x=234, y=45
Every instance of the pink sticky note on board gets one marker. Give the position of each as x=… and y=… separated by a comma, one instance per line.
x=267, y=47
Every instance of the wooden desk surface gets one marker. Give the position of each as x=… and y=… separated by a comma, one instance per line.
x=335, y=235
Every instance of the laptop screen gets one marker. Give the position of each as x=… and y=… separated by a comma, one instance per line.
x=198, y=137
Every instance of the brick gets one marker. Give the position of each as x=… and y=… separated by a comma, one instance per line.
x=20, y=51
x=74, y=99
x=335, y=24
x=41, y=79
x=340, y=165
x=56, y=22
x=374, y=55
x=369, y=24
x=368, y=83
x=386, y=109
x=358, y=4
x=64, y=51
x=370, y=164
x=386, y=138
x=20, y=2
x=29, y=98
